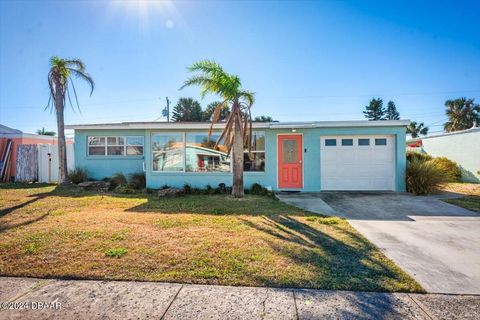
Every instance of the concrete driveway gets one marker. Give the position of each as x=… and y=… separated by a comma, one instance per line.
x=436, y=242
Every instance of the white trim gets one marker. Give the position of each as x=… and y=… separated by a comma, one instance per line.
x=255, y=125
x=124, y=155
x=303, y=160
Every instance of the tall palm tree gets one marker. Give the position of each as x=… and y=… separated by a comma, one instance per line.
x=59, y=78
x=462, y=114
x=415, y=129
x=238, y=126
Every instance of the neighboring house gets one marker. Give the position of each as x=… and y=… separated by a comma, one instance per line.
x=302, y=156
x=20, y=138
x=463, y=147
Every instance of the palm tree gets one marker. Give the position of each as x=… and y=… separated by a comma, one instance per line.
x=417, y=129
x=187, y=109
x=462, y=114
x=238, y=127
x=59, y=78
x=44, y=132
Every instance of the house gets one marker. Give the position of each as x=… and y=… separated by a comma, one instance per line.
x=303, y=156
x=17, y=137
x=463, y=147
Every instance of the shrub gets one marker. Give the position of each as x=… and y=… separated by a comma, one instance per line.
x=187, y=188
x=165, y=186
x=125, y=189
x=414, y=155
x=422, y=177
x=116, y=252
x=450, y=168
x=118, y=179
x=78, y=175
x=138, y=180
x=257, y=189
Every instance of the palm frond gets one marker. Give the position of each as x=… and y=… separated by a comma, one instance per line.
x=84, y=76
x=76, y=97
x=247, y=96
x=75, y=63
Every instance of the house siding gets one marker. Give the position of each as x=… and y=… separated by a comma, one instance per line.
x=100, y=167
x=462, y=147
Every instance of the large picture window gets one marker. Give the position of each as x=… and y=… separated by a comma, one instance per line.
x=255, y=161
x=115, y=146
x=201, y=156
x=167, y=152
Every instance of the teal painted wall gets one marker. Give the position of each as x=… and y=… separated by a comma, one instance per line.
x=99, y=167
x=311, y=143
x=463, y=148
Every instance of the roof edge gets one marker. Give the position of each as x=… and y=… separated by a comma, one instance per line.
x=255, y=125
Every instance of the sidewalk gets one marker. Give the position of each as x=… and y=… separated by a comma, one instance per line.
x=85, y=299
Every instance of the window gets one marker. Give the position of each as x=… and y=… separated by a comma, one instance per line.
x=363, y=142
x=255, y=161
x=381, y=142
x=201, y=156
x=115, y=146
x=330, y=142
x=134, y=146
x=167, y=152
x=347, y=142
x=96, y=146
x=289, y=153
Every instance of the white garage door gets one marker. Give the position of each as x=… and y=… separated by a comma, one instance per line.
x=357, y=162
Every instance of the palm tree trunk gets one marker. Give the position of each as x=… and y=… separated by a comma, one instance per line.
x=237, y=153
x=62, y=147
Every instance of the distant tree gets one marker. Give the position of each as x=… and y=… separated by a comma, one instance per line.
x=462, y=114
x=44, y=132
x=263, y=119
x=59, y=82
x=208, y=112
x=375, y=110
x=416, y=129
x=391, y=112
x=187, y=109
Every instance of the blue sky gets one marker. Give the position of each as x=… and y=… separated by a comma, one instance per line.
x=320, y=60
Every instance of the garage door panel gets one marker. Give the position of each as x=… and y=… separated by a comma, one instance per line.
x=357, y=167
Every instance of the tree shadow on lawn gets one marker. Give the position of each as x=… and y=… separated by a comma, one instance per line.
x=195, y=204
x=352, y=263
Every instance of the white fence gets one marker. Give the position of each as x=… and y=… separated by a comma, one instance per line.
x=46, y=167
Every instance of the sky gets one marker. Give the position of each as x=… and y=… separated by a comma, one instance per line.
x=312, y=60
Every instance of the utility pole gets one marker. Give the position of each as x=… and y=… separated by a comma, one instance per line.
x=166, y=111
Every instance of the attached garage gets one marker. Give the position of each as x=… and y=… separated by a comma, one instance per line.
x=360, y=162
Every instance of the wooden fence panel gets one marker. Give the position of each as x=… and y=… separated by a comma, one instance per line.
x=27, y=163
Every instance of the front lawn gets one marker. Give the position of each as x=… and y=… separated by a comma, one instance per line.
x=471, y=192
x=468, y=202
x=62, y=232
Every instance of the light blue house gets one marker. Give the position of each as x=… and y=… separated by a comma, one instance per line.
x=303, y=156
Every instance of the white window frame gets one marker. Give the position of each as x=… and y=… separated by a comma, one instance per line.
x=117, y=145
x=184, y=135
x=259, y=151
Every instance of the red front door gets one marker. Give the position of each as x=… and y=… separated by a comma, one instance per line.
x=290, y=161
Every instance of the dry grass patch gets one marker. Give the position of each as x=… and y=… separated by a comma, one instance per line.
x=48, y=231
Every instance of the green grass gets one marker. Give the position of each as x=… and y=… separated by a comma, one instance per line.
x=116, y=252
x=49, y=231
x=468, y=202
